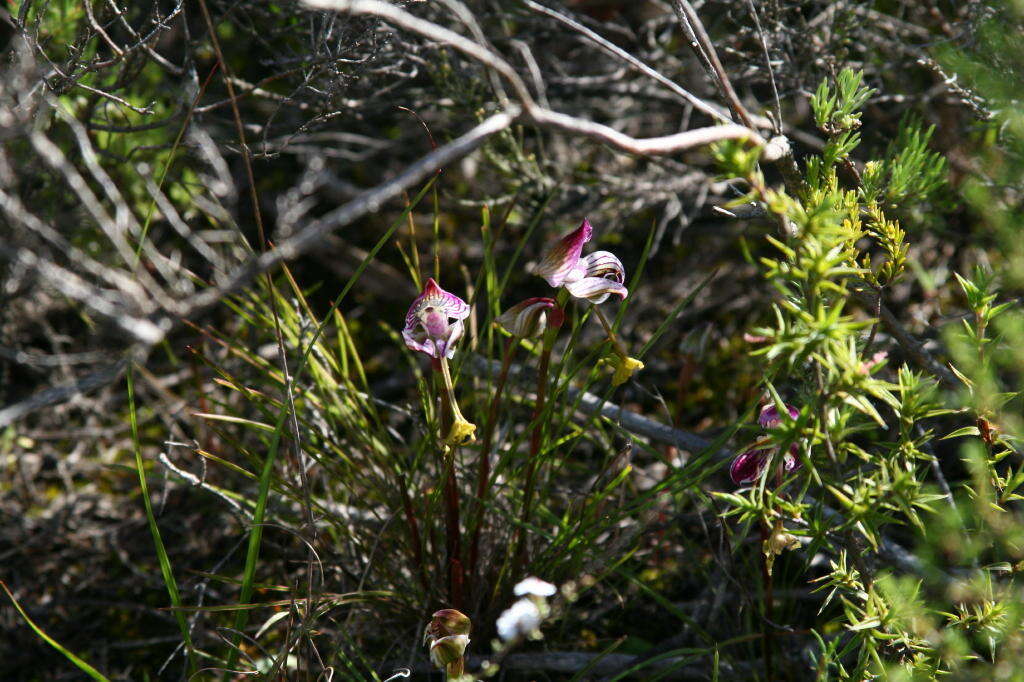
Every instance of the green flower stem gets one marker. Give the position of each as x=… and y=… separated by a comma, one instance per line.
x=449, y=393
x=619, y=347
x=625, y=366
x=484, y=466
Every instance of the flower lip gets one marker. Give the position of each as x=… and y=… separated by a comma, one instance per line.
x=770, y=418
x=563, y=257
x=428, y=323
x=597, y=277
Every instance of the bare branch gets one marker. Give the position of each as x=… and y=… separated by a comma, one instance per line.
x=613, y=49
x=369, y=201
x=701, y=43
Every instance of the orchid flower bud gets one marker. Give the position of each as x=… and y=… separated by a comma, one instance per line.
x=530, y=318
x=447, y=635
x=749, y=466
x=625, y=368
x=448, y=653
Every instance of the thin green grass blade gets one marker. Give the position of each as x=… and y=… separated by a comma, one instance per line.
x=584, y=673
x=82, y=665
x=670, y=318
x=514, y=259
x=645, y=254
x=154, y=529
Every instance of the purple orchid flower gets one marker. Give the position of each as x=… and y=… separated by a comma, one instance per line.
x=769, y=417
x=749, y=466
x=595, y=277
x=530, y=318
x=428, y=324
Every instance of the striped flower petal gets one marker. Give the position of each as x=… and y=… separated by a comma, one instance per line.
x=603, y=264
x=598, y=276
x=531, y=317
x=596, y=289
x=563, y=257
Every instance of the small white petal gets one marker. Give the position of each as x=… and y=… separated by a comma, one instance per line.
x=520, y=620
x=534, y=586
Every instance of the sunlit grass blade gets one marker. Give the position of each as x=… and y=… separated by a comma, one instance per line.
x=154, y=529
x=670, y=318
x=82, y=665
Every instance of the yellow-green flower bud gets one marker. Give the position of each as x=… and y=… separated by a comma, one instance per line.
x=625, y=367
x=460, y=433
x=777, y=542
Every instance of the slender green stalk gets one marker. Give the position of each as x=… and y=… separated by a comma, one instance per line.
x=82, y=665
x=154, y=529
x=609, y=332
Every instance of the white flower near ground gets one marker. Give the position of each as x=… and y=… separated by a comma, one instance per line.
x=522, y=619
x=534, y=586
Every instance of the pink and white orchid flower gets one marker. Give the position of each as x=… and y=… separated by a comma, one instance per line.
x=594, y=277
x=429, y=326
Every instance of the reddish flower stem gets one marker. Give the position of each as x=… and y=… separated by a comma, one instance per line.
x=766, y=625
x=535, y=442
x=453, y=533
x=769, y=597
x=483, y=481
x=453, y=538
x=414, y=533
